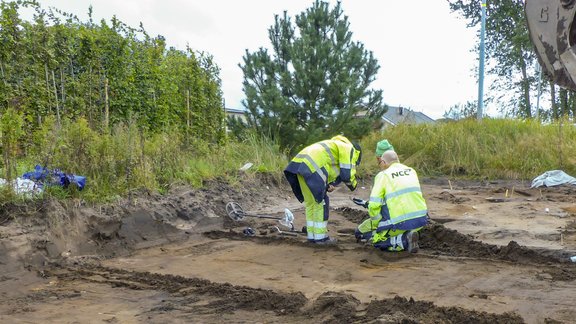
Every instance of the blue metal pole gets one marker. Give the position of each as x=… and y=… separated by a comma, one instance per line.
x=481, y=68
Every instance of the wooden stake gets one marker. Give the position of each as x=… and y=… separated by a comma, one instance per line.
x=540, y=190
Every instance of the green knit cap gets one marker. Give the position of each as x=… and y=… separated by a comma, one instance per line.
x=382, y=147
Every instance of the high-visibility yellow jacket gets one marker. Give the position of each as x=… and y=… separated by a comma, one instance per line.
x=327, y=162
x=396, y=201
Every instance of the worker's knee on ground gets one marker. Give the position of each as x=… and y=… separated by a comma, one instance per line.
x=378, y=236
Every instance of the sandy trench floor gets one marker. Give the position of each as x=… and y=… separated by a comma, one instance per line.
x=495, y=252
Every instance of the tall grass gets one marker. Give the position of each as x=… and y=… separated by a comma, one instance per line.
x=126, y=160
x=491, y=148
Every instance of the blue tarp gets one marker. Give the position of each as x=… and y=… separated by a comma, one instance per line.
x=54, y=177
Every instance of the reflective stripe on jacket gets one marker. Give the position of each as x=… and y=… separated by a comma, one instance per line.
x=398, y=188
x=322, y=163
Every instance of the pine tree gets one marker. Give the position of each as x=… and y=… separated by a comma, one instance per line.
x=316, y=84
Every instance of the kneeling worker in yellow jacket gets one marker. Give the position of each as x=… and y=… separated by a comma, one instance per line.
x=314, y=172
x=396, y=207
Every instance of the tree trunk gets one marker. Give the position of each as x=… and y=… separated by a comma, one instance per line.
x=129, y=162
x=526, y=90
x=560, y=154
x=188, y=109
x=72, y=70
x=90, y=117
x=106, y=106
x=3, y=75
x=48, y=86
x=563, y=103
x=56, y=97
x=572, y=103
x=142, y=140
x=554, y=112
x=156, y=108
x=8, y=168
x=63, y=94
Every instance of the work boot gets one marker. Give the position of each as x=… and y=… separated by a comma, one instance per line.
x=412, y=239
x=249, y=231
x=327, y=241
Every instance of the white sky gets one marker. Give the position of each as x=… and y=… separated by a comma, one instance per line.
x=423, y=49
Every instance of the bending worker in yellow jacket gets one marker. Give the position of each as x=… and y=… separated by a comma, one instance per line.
x=396, y=207
x=314, y=172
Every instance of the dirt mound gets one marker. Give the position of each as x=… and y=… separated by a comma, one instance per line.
x=441, y=240
x=402, y=310
x=229, y=297
x=139, y=229
x=334, y=307
x=563, y=193
x=46, y=230
x=202, y=296
x=354, y=215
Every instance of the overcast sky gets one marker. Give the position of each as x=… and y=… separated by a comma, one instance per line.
x=423, y=49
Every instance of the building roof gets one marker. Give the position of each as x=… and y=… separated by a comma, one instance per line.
x=398, y=115
x=234, y=111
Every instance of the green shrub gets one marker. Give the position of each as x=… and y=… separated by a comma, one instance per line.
x=129, y=159
x=11, y=131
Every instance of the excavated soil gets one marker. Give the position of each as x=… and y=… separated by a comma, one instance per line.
x=494, y=252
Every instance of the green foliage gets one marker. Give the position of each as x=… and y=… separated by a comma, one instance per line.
x=461, y=111
x=508, y=46
x=265, y=154
x=200, y=107
x=106, y=101
x=107, y=73
x=492, y=148
x=313, y=84
x=129, y=159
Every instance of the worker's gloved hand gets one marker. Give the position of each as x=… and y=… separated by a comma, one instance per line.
x=358, y=235
x=360, y=202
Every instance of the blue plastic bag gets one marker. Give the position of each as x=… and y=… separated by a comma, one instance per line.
x=44, y=176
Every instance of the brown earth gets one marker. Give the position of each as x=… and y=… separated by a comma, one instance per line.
x=494, y=252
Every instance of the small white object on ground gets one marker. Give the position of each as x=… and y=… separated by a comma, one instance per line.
x=246, y=166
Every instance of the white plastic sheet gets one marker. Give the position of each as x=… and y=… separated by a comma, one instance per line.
x=23, y=186
x=553, y=178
